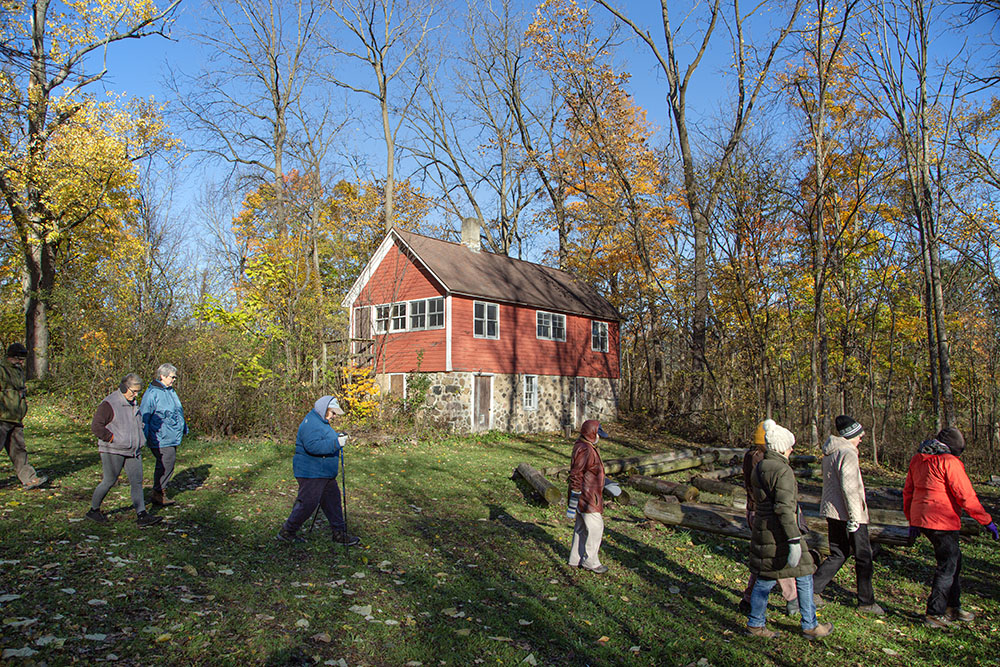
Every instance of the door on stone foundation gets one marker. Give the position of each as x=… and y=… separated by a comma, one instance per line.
x=482, y=403
x=581, y=401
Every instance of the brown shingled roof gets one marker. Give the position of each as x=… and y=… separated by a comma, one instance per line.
x=501, y=278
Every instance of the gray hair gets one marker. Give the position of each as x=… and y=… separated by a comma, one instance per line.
x=130, y=380
x=165, y=370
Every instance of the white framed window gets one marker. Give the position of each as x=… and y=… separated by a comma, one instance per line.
x=485, y=320
x=530, y=393
x=418, y=314
x=399, y=317
x=435, y=313
x=381, y=319
x=599, y=336
x=550, y=326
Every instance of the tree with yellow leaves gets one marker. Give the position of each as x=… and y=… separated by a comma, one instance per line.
x=66, y=158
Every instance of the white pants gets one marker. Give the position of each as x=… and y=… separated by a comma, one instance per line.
x=587, y=534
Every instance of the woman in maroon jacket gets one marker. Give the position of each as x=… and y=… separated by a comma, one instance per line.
x=586, y=504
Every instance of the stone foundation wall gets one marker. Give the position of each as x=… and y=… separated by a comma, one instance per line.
x=449, y=402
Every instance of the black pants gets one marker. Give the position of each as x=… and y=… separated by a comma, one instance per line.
x=313, y=493
x=946, y=590
x=165, y=457
x=842, y=544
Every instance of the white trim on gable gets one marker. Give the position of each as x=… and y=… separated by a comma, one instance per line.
x=376, y=260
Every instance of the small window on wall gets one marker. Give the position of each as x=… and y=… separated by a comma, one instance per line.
x=550, y=326
x=485, y=320
x=435, y=313
x=599, y=336
x=530, y=392
x=399, y=317
x=418, y=314
x=381, y=319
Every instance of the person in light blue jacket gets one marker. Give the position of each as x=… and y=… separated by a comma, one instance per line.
x=315, y=465
x=164, y=426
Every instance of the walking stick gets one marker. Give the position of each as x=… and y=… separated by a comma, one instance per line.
x=343, y=479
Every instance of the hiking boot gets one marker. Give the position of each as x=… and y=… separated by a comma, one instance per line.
x=146, y=519
x=343, y=537
x=818, y=600
x=35, y=482
x=792, y=608
x=96, y=515
x=821, y=630
x=957, y=614
x=160, y=498
x=600, y=569
x=744, y=607
x=874, y=609
x=937, y=622
x=285, y=536
x=761, y=632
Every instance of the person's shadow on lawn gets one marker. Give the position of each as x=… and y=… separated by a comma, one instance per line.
x=190, y=478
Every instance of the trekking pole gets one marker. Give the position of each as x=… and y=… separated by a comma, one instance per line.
x=343, y=479
x=315, y=514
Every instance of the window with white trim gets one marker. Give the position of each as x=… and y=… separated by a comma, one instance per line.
x=550, y=326
x=418, y=314
x=435, y=313
x=530, y=392
x=399, y=317
x=599, y=336
x=485, y=320
x=381, y=319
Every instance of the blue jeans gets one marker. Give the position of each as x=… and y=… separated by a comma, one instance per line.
x=758, y=602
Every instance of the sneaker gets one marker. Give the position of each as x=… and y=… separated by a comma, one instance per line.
x=343, y=537
x=821, y=630
x=792, y=608
x=292, y=538
x=937, y=622
x=818, y=600
x=35, y=482
x=874, y=609
x=761, y=632
x=957, y=614
x=744, y=607
x=146, y=519
x=96, y=515
x=600, y=569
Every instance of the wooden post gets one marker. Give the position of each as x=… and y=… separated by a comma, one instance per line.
x=546, y=489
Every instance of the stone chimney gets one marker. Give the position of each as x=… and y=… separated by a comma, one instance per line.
x=470, y=233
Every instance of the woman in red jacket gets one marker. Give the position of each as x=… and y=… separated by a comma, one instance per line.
x=586, y=504
x=936, y=491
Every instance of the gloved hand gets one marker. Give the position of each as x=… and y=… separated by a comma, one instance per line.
x=342, y=438
x=574, y=502
x=612, y=487
x=992, y=527
x=794, y=552
x=914, y=533
x=852, y=527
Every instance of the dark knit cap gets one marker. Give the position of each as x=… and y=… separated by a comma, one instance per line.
x=952, y=437
x=848, y=428
x=17, y=351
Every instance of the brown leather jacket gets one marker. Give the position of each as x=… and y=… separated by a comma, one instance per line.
x=586, y=473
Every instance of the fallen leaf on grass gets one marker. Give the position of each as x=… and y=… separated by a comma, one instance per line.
x=68, y=591
x=302, y=623
x=25, y=652
x=358, y=575
x=96, y=637
x=522, y=621
x=390, y=621
x=97, y=603
x=603, y=639
x=165, y=637
x=634, y=649
x=340, y=662
x=19, y=622
x=50, y=640
x=363, y=610
x=501, y=639
x=322, y=637
x=9, y=597
x=463, y=632
x=530, y=659
x=889, y=651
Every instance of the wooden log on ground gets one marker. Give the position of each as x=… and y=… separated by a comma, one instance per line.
x=723, y=473
x=663, y=487
x=727, y=453
x=621, y=499
x=674, y=465
x=703, y=483
x=731, y=522
x=890, y=517
x=613, y=466
x=544, y=487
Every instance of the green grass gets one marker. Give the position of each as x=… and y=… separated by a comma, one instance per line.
x=459, y=566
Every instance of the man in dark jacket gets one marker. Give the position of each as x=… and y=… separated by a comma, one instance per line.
x=315, y=465
x=776, y=543
x=586, y=502
x=13, y=407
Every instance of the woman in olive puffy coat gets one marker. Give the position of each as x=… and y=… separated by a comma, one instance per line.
x=777, y=549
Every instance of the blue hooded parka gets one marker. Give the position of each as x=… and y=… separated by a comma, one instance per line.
x=317, y=447
x=162, y=416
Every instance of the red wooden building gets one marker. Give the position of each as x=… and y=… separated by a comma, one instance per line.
x=508, y=344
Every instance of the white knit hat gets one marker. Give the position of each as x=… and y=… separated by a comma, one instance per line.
x=778, y=438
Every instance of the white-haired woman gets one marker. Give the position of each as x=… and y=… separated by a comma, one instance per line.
x=117, y=425
x=164, y=425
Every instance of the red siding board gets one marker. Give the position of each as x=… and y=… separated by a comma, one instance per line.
x=398, y=278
